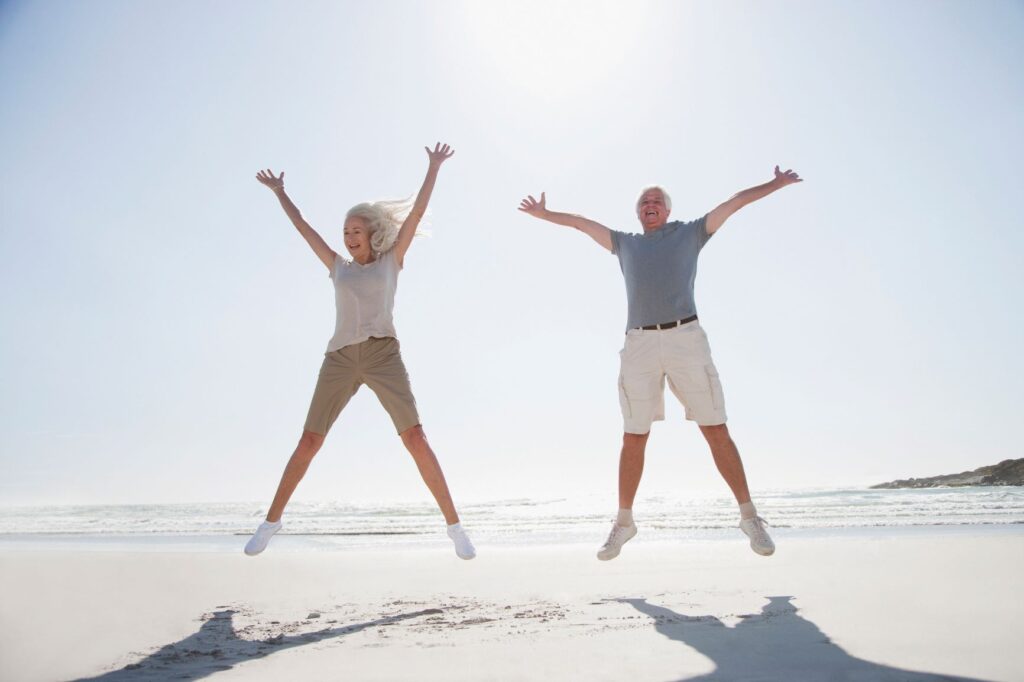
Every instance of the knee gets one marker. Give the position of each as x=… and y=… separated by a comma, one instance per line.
x=717, y=434
x=634, y=441
x=414, y=439
x=309, y=444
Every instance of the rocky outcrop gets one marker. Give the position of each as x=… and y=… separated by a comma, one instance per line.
x=1007, y=472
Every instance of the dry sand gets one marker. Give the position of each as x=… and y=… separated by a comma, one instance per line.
x=893, y=606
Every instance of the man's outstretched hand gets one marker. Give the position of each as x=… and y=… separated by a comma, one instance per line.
x=788, y=177
x=532, y=206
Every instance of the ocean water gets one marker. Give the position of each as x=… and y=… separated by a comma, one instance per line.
x=339, y=525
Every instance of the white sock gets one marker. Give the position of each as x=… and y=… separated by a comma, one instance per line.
x=625, y=518
x=747, y=510
x=455, y=526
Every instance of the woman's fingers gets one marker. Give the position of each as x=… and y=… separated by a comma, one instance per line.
x=268, y=178
x=441, y=151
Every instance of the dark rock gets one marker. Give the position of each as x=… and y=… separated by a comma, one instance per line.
x=1007, y=472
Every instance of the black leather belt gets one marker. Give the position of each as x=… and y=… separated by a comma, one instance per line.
x=670, y=325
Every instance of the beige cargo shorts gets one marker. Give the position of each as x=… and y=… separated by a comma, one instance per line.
x=375, y=362
x=682, y=355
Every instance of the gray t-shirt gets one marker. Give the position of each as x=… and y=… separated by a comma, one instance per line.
x=659, y=268
x=364, y=298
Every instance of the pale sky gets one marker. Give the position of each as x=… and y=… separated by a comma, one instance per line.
x=163, y=323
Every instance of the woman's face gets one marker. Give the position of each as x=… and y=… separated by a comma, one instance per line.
x=357, y=239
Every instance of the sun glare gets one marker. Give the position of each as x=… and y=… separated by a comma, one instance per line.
x=552, y=48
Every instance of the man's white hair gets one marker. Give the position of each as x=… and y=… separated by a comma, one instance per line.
x=664, y=194
x=383, y=218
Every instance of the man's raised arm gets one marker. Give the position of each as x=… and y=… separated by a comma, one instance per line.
x=596, y=231
x=721, y=213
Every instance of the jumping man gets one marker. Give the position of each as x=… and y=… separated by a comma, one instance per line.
x=664, y=339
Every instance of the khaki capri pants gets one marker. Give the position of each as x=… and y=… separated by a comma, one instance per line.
x=375, y=362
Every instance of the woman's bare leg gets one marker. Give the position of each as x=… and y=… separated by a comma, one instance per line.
x=415, y=441
x=308, y=446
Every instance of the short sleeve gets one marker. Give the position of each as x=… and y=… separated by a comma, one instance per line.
x=616, y=236
x=700, y=228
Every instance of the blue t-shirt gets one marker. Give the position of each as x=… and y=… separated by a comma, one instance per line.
x=659, y=268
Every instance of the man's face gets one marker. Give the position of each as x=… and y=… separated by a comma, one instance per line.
x=651, y=210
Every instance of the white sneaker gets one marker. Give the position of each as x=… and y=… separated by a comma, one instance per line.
x=759, y=540
x=259, y=540
x=619, y=536
x=463, y=547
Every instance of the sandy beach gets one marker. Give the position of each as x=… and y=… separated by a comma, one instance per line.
x=918, y=605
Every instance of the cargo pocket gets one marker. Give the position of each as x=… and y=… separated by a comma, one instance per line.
x=715, y=385
x=640, y=396
x=627, y=407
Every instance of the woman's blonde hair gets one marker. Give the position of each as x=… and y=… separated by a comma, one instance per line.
x=383, y=218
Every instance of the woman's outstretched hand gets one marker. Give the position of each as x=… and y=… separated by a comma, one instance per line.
x=441, y=153
x=268, y=179
x=534, y=207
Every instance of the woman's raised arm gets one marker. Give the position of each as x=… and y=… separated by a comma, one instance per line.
x=325, y=253
x=441, y=153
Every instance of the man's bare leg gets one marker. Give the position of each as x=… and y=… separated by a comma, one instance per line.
x=727, y=459
x=631, y=466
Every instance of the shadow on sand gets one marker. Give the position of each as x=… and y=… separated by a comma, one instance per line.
x=216, y=647
x=776, y=644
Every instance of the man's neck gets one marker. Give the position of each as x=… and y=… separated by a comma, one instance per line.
x=648, y=230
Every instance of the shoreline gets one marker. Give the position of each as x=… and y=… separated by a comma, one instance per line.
x=352, y=542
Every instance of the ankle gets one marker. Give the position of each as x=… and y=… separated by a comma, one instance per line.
x=748, y=510
x=624, y=518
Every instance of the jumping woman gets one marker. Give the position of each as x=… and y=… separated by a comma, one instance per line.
x=364, y=348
